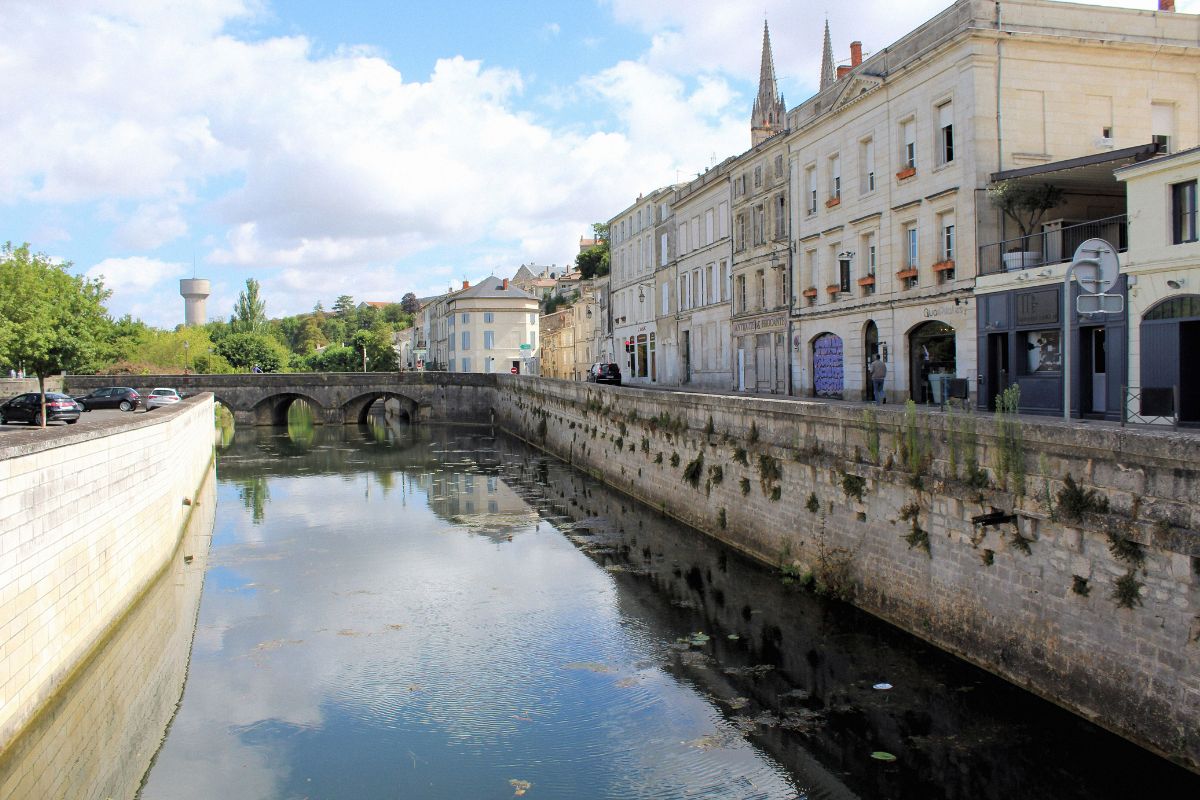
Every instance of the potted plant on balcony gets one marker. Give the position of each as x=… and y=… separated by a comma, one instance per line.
x=1026, y=205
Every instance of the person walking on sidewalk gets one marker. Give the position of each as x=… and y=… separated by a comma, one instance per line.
x=878, y=375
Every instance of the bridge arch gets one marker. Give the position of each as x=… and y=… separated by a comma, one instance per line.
x=273, y=409
x=355, y=410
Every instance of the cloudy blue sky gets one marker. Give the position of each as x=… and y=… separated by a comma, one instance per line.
x=373, y=147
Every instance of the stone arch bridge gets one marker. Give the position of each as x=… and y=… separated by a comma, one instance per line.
x=337, y=398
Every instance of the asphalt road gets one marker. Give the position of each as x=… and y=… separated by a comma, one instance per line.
x=88, y=419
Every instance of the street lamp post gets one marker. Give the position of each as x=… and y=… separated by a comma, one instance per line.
x=186, y=346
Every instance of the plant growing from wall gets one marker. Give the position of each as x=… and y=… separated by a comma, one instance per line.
x=645, y=445
x=541, y=429
x=739, y=455
x=716, y=474
x=1125, y=549
x=1127, y=590
x=658, y=457
x=745, y=486
x=916, y=536
x=813, y=505
x=834, y=574
x=709, y=428
x=871, y=422
x=1010, y=441
x=1074, y=501
x=753, y=431
x=1018, y=541
x=912, y=446
x=694, y=469
x=769, y=472
x=853, y=486
x=674, y=459
x=1079, y=585
x=721, y=519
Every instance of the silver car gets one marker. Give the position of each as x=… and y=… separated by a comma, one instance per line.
x=161, y=397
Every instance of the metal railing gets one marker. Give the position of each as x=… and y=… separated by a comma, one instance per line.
x=1150, y=405
x=1050, y=246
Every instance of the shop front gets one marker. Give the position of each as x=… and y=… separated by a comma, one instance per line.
x=760, y=353
x=1020, y=342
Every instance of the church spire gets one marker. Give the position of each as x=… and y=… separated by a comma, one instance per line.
x=770, y=114
x=827, y=76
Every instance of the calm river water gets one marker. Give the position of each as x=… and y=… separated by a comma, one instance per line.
x=440, y=612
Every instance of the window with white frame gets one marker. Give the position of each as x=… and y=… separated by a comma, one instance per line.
x=723, y=281
x=835, y=177
x=1162, y=125
x=489, y=317
x=780, y=216
x=758, y=222
x=696, y=233
x=867, y=160
x=466, y=341
x=709, y=227
x=682, y=241
x=683, y=293
x=723, y=219
x=466, y=365
x=489, y=340
x=945, y=134
x=910, y=238
x=666, y=299
x=946, y=243
x=779, y=166
x=758, y=176
x=740, y=232
x=908, y=144
x=844, y=273
x=663, y=250
x=814, y=268
x=697, y=290
x=466, y=318
x=741, y=293
x=811, y=179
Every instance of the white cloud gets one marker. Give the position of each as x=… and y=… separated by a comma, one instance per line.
x=134, y=274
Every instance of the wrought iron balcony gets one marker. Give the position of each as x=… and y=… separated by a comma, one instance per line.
x=1054, y=244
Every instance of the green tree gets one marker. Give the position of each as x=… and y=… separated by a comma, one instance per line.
x=244, y=351
x=50, y=320
x=410, y=304
x=343, y=306
x=250, y=310
x=335, y=358
x=311, y=336
x=594, y=262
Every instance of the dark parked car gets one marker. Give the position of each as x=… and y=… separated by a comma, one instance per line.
x=28, y=408
x=604, y=373
x=121, y=397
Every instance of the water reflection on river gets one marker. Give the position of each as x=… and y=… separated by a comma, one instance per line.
x=440, y=613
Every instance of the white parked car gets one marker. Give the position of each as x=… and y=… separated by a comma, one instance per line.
x=161, y=397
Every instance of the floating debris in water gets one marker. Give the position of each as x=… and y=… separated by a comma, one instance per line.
x=882, y=686
x=589, y=666
x=882, y=755
x=520, y=787
x=733, y=637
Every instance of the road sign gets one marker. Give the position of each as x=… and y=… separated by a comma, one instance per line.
x=1095, y=266
x=1099, y=304
x=526, y=347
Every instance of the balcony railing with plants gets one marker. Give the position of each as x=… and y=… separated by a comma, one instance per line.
x=1050, y=246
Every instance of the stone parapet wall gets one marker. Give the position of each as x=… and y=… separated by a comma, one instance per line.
x=878, y=506
x=88, y=519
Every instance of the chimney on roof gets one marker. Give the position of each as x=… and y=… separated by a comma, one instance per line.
x=1166, y=5
x=841, y=71
x=855, y=53
x=505, y=286
x=466, y=284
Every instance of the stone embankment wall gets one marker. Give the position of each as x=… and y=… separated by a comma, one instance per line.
x=1085, y=591
x=88, y=518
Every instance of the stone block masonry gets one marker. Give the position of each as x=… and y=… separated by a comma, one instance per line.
x=1064, y=559
x=88, y=519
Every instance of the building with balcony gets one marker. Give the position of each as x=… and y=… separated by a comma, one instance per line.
x=758, y=291
x=892, y=159
x=633, y=291
x=1162, y=267
x=695, y=255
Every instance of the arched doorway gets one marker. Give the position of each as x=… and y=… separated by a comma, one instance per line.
x=828, y=366
x=931, y=357
x=1168, y=330
x=870, y=352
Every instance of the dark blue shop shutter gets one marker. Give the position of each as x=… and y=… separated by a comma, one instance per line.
x=1160, y=364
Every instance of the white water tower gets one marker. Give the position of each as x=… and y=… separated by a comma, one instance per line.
x=195, y=292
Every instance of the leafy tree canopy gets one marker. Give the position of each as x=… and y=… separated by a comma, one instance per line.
x=410, y=304
x=250, y=310
x=244, y=351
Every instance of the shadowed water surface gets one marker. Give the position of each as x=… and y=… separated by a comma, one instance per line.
x=394, y=612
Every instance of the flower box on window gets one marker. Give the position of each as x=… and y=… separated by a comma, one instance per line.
x=944, y=266
x=906, y=274
x=810, y=292
x=833, y=288
x=833, y=201
x=905, y=173
x=867, y=281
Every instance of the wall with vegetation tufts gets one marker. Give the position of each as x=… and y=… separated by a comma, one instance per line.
x=1085, y=587
x=88, y=518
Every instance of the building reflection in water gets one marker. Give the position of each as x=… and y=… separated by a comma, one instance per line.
x=98, y=736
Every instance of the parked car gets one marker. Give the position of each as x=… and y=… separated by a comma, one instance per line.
x=28, y=408
x=121, y=397
x=161, y=397
x=604, y=373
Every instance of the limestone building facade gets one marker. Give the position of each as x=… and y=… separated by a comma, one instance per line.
x=633, y=295
x=491, y=327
